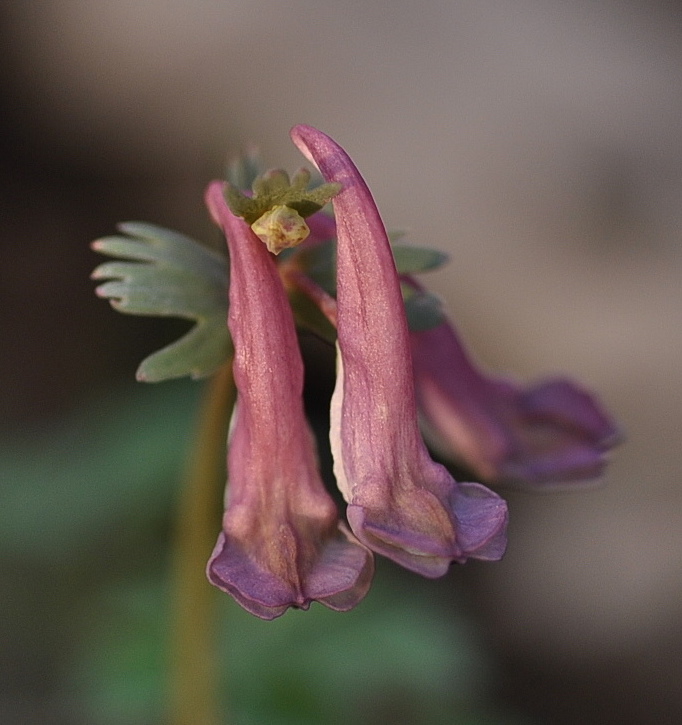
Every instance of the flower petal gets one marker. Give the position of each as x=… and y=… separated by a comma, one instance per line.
x=552, y=433
x=282, y=544
x=401, y=503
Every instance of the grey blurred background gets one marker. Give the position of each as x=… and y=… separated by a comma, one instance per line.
x=539, y=142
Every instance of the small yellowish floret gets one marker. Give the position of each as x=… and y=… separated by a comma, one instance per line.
x=280, y=228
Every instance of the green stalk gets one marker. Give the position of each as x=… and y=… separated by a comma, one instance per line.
x=194, y=693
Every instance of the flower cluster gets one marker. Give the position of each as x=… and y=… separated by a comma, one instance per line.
x=283, y=543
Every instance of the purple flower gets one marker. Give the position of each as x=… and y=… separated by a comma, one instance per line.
x=282, y=544
x=400, y=503
x=553, y=432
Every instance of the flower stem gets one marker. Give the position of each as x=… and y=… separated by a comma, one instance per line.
x=325, y=302
x=193, y=696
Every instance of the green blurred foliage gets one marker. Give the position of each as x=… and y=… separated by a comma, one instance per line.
x=397, y=658
x=113, y=464
x=85, y=522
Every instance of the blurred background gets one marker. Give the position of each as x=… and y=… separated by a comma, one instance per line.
x=540, y=144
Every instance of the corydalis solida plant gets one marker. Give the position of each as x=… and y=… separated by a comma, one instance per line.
x=282, y=544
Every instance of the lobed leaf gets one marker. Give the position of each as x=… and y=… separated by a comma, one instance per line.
x=169, y=275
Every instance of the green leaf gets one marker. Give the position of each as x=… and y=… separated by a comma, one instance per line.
x=273, y=188
x=319, y=263
x=243, y=170
x=169, y=275
x=424, y=309
x=413, y=260
x=309, y=317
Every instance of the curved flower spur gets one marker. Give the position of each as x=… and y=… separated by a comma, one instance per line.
x=400, y=502
x=282, y=544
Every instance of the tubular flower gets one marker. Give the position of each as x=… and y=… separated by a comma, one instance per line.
x=551, y=433
x=282, y=544
x=400, y=503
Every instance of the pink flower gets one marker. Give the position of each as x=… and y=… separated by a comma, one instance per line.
x=282, y=544
x=553, y=432
x=400, y=503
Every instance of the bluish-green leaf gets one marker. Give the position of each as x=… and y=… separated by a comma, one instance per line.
x=424, y=310
x=319, y=263
x=169, y=275
x=413, y=260
x=245, y=168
